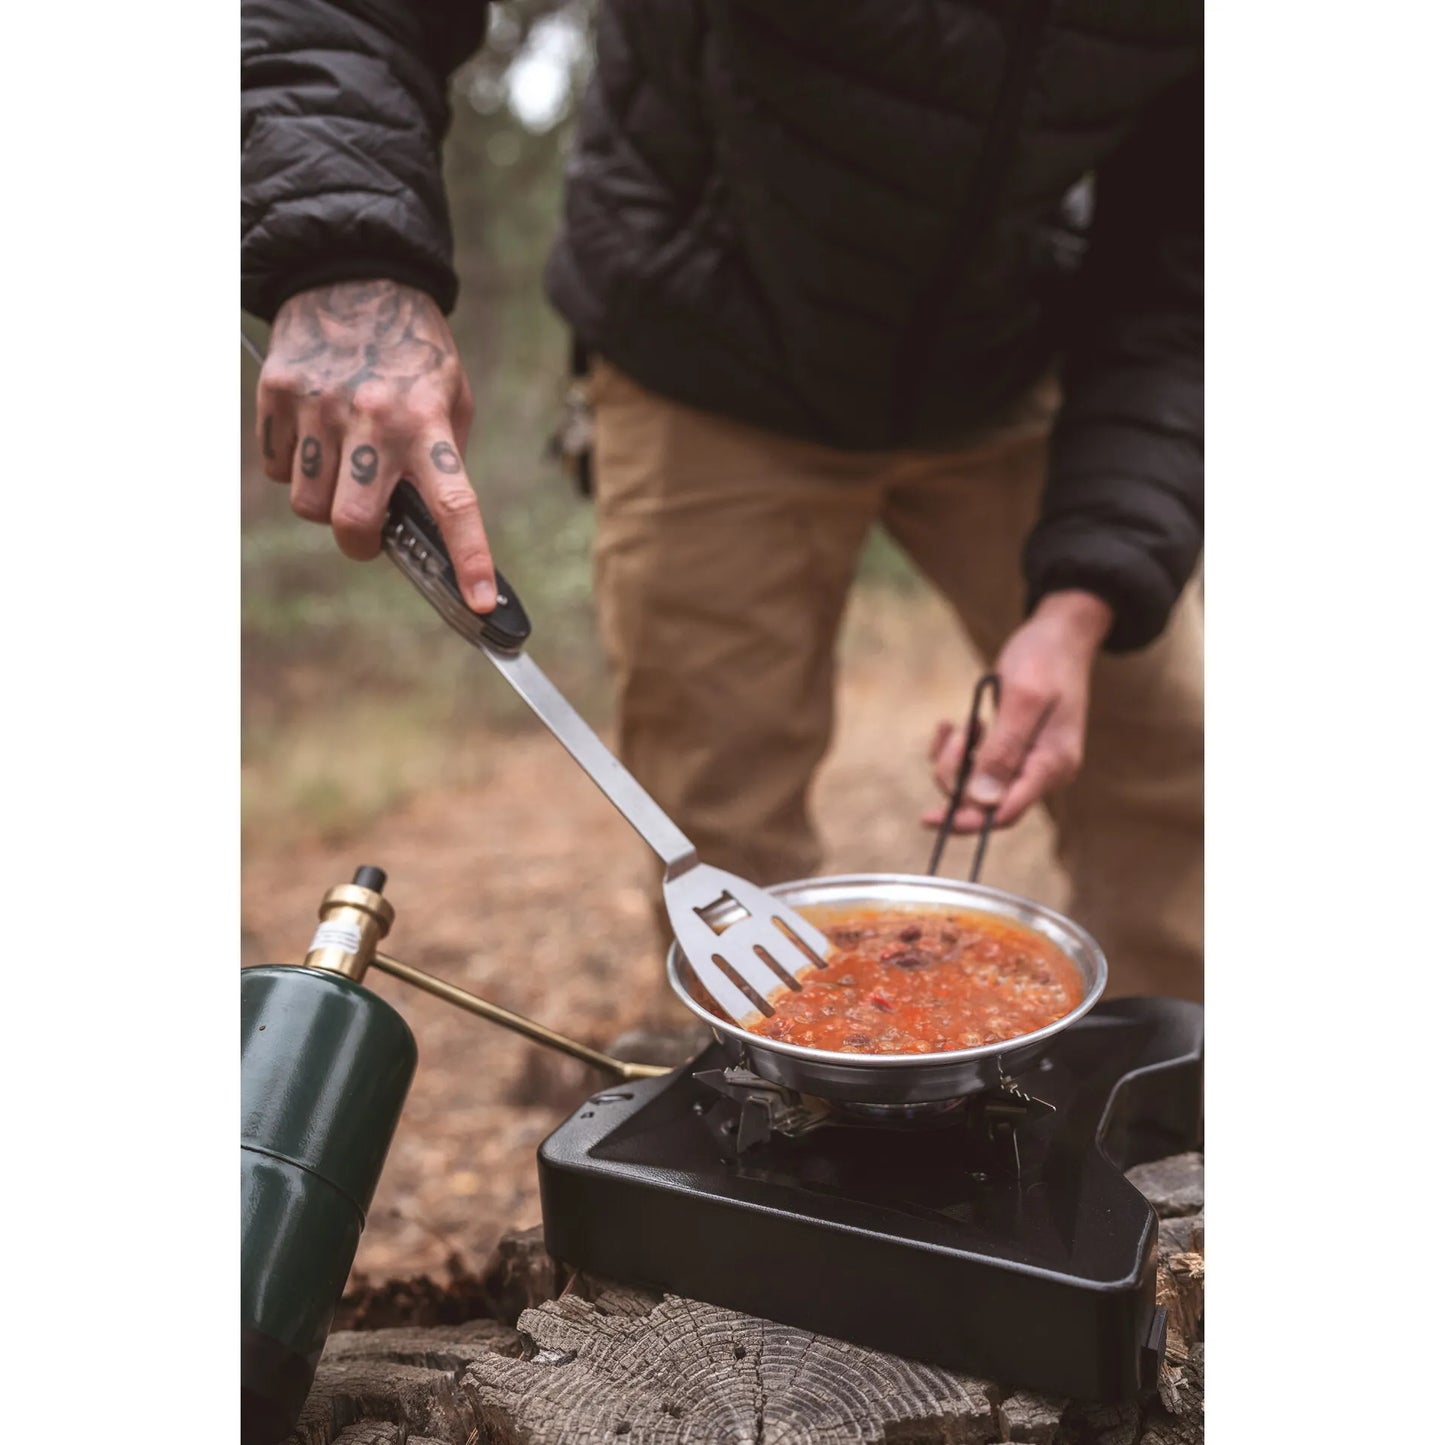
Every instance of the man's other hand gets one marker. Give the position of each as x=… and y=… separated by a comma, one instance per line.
x=1036, y=742
x=362, y=387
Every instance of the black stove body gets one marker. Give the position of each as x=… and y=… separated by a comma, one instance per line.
x=1001, y=1239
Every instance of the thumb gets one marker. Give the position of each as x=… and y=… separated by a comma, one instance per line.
x=1004, y=747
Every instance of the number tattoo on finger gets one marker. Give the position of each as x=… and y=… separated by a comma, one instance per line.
x=444, y=457
x=311, y=458
x=363, y=465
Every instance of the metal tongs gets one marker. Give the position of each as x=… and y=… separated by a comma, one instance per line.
x=990, y=683
x=740, y=963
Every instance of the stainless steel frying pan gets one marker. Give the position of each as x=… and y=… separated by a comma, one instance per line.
x=902, y=1080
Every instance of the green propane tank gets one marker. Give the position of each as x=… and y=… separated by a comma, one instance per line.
x=325, y=1066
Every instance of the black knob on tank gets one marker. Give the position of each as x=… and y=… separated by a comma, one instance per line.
x=325, y=1068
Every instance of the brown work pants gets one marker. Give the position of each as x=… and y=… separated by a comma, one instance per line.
x=724, y=556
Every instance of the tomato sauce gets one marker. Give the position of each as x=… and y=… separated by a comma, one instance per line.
x=923, y=982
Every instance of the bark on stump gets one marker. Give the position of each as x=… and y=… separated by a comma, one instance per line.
x=606, y=1362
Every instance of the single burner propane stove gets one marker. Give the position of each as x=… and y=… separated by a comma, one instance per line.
x=999, y=1237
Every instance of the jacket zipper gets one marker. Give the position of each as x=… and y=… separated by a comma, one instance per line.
x=920, y=336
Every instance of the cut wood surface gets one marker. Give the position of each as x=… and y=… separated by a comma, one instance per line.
x=606, y=1362
x=1174, y=1186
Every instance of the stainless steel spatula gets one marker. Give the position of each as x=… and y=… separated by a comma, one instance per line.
x=740, y=964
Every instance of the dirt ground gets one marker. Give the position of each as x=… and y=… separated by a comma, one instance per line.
x=528, y=889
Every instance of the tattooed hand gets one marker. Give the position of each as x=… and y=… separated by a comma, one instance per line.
x=363, y=386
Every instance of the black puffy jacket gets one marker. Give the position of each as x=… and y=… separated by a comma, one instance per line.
x=843, y=220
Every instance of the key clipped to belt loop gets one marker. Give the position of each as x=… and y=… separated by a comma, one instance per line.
x=991, y=684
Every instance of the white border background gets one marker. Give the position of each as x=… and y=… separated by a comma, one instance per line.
x=120, y=688
x=1324, y=977
x=121, y=699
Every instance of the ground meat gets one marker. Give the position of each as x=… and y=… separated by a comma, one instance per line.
x=909, y=958
x=1024, y=966
x=900, y=955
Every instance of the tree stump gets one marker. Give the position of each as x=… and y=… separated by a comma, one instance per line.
x=607, y=1362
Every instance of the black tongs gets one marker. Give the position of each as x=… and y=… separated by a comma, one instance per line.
x=988, y=683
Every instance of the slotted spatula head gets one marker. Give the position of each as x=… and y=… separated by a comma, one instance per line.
x=741, y=963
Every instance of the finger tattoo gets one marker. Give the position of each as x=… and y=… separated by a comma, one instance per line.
x=363, y=465
x=444, y=457
x=267, y=450
x=311, y=457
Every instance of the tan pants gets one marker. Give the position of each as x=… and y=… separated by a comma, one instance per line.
x=724, y=555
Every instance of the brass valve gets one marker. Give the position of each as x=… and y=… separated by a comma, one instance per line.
x=354, y=919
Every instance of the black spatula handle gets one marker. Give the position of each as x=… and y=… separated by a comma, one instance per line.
x=413, y=540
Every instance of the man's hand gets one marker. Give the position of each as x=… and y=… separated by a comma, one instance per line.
x=1036, y=743
x=363, y=386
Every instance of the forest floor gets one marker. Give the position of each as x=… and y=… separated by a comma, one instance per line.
x=519, y=883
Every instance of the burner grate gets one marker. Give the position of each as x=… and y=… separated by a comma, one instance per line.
x=750, y=1112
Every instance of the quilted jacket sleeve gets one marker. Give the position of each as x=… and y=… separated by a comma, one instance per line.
x=1123, y=511
x=344, y=106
